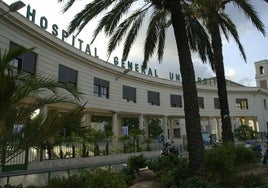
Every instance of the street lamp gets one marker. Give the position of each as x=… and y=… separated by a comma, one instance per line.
x=13, y=7
x=123, y=73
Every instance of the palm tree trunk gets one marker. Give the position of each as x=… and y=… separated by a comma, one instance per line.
x=227, y=135
x=191, y=108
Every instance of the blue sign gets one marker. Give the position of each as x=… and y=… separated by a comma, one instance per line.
x=160, y=139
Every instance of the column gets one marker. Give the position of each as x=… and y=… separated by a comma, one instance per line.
x=141, y=122
x=145, y=127
x=115, y=126
x=256, y=127
x=171, y=127
x=165, y=128
x=218, y=124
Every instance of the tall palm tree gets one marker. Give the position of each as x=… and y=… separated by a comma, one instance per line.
x=115, y=26
x=20, y=97
x=215, y=20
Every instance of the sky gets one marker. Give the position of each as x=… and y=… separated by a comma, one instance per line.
x=236, y=69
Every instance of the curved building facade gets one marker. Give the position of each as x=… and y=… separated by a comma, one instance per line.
x=124, y=91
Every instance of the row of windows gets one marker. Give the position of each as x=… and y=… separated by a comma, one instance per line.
x=101, y=89
x=66, y=75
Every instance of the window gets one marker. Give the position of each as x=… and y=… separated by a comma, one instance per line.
x=129, y=93
x=261, y=70
x=124, y=130
x=67, y=75
x=242, y=104
x=216, y=103
x=177, y=133
x=25, y=62
x=65, y=132
x=201, y=102
x=263, y=84
x=153, y=98
x=265, y=104
x=101, y=88
x=175, y=100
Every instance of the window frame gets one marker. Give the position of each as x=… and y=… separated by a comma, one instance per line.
x=69, y=78
x=101, y=88
x=217, y=104
x=129, y=93
x=201, y=102
x=153, y=98
x=241, y=103
x=175, y=101
x=25, y=63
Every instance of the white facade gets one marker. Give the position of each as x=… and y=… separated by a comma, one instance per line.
x=52, y=52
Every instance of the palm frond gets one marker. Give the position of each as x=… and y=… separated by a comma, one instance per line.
x=250, y=13
x=68, y=5
x=132, y=34
x=9, y=55
x=111, y=19
x=122, y=29
x=90, y=11
x=230, y=26
x=152, y=36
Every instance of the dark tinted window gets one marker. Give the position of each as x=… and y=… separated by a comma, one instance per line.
x=154, y=98
x=129, y=93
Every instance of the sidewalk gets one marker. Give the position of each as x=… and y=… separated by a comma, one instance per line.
x=38, y=173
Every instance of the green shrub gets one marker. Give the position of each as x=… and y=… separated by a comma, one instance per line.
x=199, y=182
x=103, y=178
x=220, y=162
x=129, y=175
x=65, y=182
x=244, y=156
x=252, y=180
x=137, y=162
x=170, y=170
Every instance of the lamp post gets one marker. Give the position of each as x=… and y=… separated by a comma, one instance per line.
x=13, y=7
x=122, y=74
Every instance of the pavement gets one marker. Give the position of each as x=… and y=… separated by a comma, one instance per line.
x=39, y=173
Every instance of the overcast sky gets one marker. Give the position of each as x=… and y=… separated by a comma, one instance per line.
x=254, y=43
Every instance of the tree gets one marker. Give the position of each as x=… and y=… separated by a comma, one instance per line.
x=245, y=132
x=20, y=95
x=154, y=128
x=129, y=27
x=215, y=20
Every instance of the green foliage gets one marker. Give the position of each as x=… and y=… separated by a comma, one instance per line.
x=222, y=162
x=96, y=150
x=107, y=123
x=65, y=182
x=244, y=156
x=154, y=128
x=103, y=178
x=199, y=182
x=245, y=132
x=129, y=175
x=170, y=170
x=252, y=180
x=136, y=162
x=132, y=123
x=15, y=86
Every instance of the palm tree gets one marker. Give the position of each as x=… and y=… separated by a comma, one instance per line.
x=20, y=97
x=214, y=18
x=116, y=27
